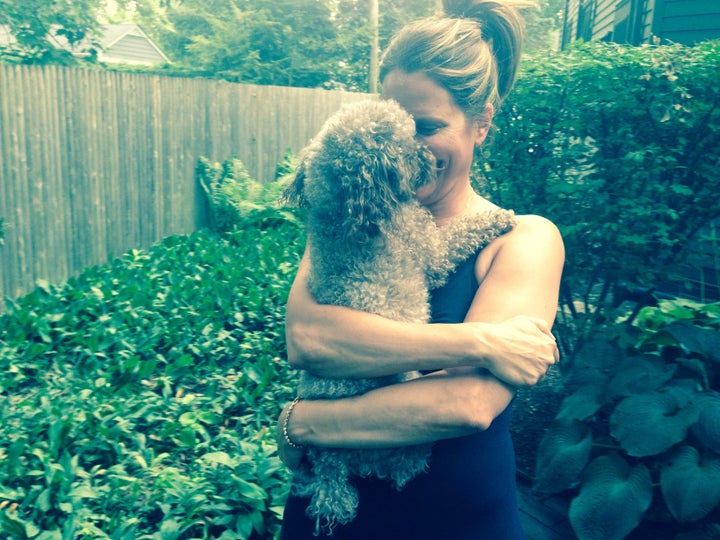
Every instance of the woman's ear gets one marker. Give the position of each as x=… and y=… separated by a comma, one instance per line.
x=482, y=124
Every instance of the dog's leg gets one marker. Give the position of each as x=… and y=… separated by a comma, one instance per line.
x=464, y=236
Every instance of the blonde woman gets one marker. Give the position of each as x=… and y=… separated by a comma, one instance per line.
x=451, y=73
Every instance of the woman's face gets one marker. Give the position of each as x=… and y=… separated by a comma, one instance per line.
x=449, y=134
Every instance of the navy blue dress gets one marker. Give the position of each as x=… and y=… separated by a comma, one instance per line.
x=468, y=492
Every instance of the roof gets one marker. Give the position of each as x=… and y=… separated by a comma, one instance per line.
x=127, y=43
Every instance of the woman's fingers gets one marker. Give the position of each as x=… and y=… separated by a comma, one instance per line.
x=291, y=457
x=525, y=349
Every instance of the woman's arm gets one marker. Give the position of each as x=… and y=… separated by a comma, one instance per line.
x=519, y=274
x=335, y=341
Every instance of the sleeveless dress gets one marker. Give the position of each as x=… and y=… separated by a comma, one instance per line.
x=468, y=491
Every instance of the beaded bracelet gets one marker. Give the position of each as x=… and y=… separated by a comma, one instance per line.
x=285, y=423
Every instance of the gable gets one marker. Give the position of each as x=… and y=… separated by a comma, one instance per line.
x=130, y=45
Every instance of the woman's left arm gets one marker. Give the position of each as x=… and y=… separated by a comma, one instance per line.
x=518, y=274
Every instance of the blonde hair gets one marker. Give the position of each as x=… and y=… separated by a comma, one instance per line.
x=472, y=50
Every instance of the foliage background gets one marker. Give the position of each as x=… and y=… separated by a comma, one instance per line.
x=618, y=145
x=137, y=399
x=308, y=43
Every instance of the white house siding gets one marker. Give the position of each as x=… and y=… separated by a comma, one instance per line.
x=570, y=23
x=604, y=21
x=132, y=49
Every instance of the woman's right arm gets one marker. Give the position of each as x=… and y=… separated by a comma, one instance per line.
x=335, y=341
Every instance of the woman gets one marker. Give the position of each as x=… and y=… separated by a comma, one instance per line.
x=451, y=73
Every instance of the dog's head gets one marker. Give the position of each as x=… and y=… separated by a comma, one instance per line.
x=364, y=162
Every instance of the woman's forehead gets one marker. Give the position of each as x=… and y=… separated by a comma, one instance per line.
x=417, y=93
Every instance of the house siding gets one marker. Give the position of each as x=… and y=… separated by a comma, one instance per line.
x=640, y=21
x=687, y=21
x=604, y=22
x=133, y=49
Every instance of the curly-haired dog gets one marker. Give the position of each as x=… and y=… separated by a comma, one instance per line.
x=372, y=248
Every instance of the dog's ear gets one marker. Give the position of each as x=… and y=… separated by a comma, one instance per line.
x=294, y=192
x=371, y=194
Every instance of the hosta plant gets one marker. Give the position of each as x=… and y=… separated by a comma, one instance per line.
x=636, y=440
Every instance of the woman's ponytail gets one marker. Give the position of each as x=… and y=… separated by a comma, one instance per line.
x=472, y=50
x=502, y=28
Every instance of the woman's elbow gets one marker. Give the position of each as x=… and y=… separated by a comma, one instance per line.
x=304, y=350
x=487, y=399
x=478, y=419
x=297, y=346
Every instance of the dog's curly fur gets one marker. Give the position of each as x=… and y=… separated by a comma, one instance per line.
x=372, y=248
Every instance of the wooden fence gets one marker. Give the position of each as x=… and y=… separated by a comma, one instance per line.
x=93, y=163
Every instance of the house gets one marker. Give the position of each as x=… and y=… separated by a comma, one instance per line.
x=128, y=44
x=641, y=21
x=119, y=44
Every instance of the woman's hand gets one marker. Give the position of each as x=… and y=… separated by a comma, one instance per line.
x=523, y=350
x=289, y=455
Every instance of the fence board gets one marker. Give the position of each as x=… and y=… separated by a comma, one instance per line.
x=93, y=163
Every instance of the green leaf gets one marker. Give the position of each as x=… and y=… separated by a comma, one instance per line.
x=612, y=500
x=594, y=364
x=249, y=490
x=221, y=458
x=83, y=491
x=651, y=423
x=563, y=453
x=583, y=403
x=707, y=427
x=703, y=341
x=690, y=483
x=639, y=374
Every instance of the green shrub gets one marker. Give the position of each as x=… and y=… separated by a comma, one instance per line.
x=136, y=400
x=236, y=198
x=618, y=145
x=638, y=435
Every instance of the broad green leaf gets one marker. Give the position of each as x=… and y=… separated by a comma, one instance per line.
x=221, y=458
x=703, y=341
x=612, y=500
x=583, y=403
x=594, y=364
x=563, y=453
x=651, y=423
x=639, y=374
x=188, y=418
x=250, y=490
x=707, y=427
x=690, y=483
x=83, y=491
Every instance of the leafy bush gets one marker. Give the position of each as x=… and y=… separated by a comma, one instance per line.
x=135, y=400
x=638, y=435
x=619, y=146
x=236, y=198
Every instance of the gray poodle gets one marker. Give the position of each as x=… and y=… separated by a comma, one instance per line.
x=372, y=248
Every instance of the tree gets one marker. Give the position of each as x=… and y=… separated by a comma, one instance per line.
x=543, y=25
x=31, y=22
x=283, y=42
x=355, y=34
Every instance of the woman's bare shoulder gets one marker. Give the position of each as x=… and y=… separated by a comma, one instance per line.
x=533, y=240
x=531, y=226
